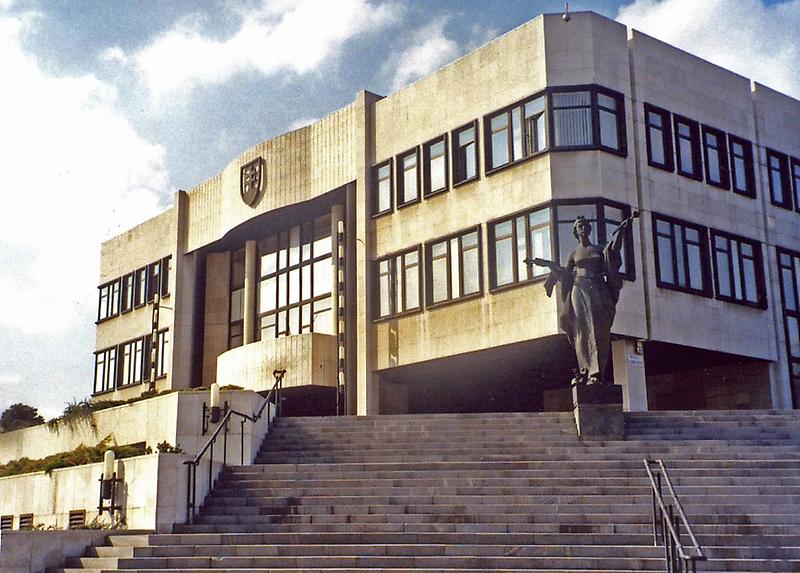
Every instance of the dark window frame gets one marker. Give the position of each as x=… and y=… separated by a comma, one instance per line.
x=722, y=157
x=787, y=314
x=6, y=522
x=127, y=293
x=749, y=166
x=399, y=187
x=705, y=261
x=376, y=187
x=144, y=362
x=426, y=161
x=758, y=265
x=140, y=284
x=77, y=519
x=666, y=137
x=491, y=230
x=695, y=143
x=392, y=260
x=794, y=176
x=427, y=249
x=458, y=166
x=784, y=174
x=25, y=521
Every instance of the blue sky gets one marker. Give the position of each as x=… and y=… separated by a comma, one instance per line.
x=109, y=106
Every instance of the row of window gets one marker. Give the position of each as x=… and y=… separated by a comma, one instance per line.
x=133, y=290
x=789, y=267
x=453, y=264
x=570, y=118
x=686, y=252
x=130, y=363
x=722, y=159
x=25, y=522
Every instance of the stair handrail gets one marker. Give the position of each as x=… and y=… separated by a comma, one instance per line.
x=273, y=396
x=676, y=557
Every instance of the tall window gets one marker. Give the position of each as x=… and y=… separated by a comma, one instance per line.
x=512, y=241
x=681, y=255
x=435, y=158
x=236, y=318
x=796, y=182
x=126, y=302
x=109, y=300
x=465, y=153
x=408, y=178
x=132, y=362
x=140, y=280
x=383, y=188
x=743, y=176
x=296, y=280
x=399, y=283
x=779, y=187
x=715, y=153
x=789, y=267
x=162, y=354
x=687, y=147
x=738, y=272
x=517, y=132
x=453, y=267
x=105, y=370
x=609, y=112
x=572, y=119
x=658, y=135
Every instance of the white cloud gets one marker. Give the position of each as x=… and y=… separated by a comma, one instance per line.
x=302, y=122
x=115, y=54
x=745, y=36
x=294, y=36
x=74, y=172
x=10, y=379
x=429, y=50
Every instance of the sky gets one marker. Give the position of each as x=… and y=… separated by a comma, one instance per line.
x=107, y=107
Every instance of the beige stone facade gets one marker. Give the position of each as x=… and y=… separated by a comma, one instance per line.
x=426, y=305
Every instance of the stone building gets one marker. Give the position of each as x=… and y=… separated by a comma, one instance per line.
x=380, y=250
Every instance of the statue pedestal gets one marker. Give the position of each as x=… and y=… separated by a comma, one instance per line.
x=598, y=410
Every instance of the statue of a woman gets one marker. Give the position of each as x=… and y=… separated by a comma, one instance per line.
x=589, y=287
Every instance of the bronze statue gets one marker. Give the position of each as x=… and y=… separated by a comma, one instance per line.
x=589, y=287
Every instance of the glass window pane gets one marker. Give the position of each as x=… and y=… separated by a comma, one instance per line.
x=680, y=263
x=657, y=154
x=665, y=267
x=268, y=326
x=294, y=286
x=322, y=236
x=439, y=277
x=516, y=132
x=323, y=277
x=237, y=305
x=294, y=245
x=793, y=334
x=499, y=126
x=695, y=267
x=737, y=279
x=522, y=249
x=471, y=271
x=305, y=280
x=323, y=317
x=267, y=295
x=540, y=248
x=384, y=294
x=470, y=165
x=455, y=271
x=412, y=281
x=723, y=274
x=294, y=320
x=282, y=289
x=437, y=173
x=750, y=290
x=504, y=270
x=687, y=161
x=609, y=133
x=410, y=191
x=789, y=294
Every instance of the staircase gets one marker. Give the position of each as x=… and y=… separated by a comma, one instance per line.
x=487, y=492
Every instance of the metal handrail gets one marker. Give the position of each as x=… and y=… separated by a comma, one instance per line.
x=676, y=558
x=274, y=394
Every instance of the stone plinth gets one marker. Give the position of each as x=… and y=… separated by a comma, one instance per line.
x=598, y=410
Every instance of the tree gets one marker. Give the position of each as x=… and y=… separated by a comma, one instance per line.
x=19, y=416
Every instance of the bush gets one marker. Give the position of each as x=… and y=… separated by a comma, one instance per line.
x=18, y=416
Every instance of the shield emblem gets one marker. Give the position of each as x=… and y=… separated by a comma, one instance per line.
x=251, y=181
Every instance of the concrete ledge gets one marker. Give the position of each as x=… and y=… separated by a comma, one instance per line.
x=35, y=551
x=598, y=410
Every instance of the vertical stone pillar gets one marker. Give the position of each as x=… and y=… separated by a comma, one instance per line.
x=629, y=373
x=250, y=286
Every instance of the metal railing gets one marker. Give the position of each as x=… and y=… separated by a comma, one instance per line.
x=273, y=397
x=668, y=518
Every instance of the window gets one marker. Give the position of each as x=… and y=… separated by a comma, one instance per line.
x=789, y=268
x=383, y=189
x=236, y=317
x=408, y=178
x=687, y=148
x=140, y=284
x=513, y=240
x=465, y=157
x=153, y=280
x=453, y=267
x=715, y=154
x=796, y=182
x=517, y=132
x=399, y=283
x=6, y=522
x=738, y=274
x=77, y=519
x=435, y=157
x=108, y=306
x=572, y=119
x=296, y=280
x=611, y=121
x=778, y=170
x=126, y=303
x=105, y=370
x=162, y=354
x=26, y=521
x=743, y=176
x=132, y=362
x=681, y=255
x=165, y=264
x=658, y=134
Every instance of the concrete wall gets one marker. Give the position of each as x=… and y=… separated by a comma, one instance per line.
x=309, y=359
x=175, y=418
x=35, y=551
